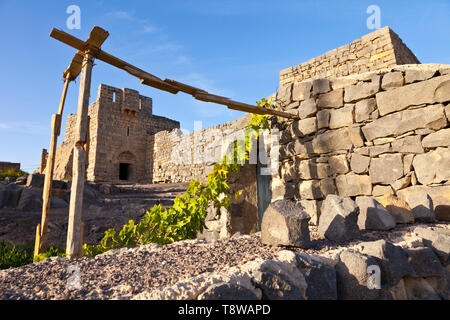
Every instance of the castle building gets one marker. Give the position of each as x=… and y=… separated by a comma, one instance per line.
x=120, y=147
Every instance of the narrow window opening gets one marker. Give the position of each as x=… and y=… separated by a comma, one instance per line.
x=128, y=131
x=114, y=97
x=140, y=103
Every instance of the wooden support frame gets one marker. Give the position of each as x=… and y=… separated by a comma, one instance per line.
x=82, y=63
x=168, y=85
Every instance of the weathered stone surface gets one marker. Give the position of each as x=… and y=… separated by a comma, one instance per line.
x=392, y=80
x=227, y=291
x=301, y=128
x=333, y=99
x=419, y=289
x=289, y=170
x=379, y=191
x=284, y=94
x=373, y=216
x=321, y=86
x=410, y=144
x=386, y=169
x=323, y=119
x=316, y=189
x=307, y=108
x=361, y=91
x=30, y=200
x=352, y=277
x=427, y=92
x=35, y=180
x=294, y=148
x=424, y=262
x=439, y=242
x=400, y=122
x=342, y=117
x=311, y=170
x=283, y=190
x=407, y=163
x=359, y=164
x=321, y=278
x=356, y=136
x=422, y=207
x=58, y=203
x=402, y=182
x=418, y=75
x=394, y=260
x=433, y=166
x=332, y=141
x=377, y=150
x=353, y=185
x=276, y=287
x=398, y=208
x=301, y=90
x=9, y=195
x=439, y=194
x=285, y=224
x=447, y=111
x=292, y=107
x=338, y=165
x=311, y=207
x=364, y=108
x=338, y=219
x=439, y=138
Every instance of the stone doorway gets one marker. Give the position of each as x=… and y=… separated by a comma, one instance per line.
x=124, y=171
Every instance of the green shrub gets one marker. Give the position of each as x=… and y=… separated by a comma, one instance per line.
x=14, y=256
x=187, y=216
x=12, y=173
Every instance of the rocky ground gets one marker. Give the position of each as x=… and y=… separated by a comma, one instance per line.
x=103, y=211
x=186, y=269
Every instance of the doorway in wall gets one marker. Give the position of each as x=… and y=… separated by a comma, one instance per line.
x=124, y=171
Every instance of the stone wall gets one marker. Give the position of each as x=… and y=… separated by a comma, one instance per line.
x=120, y=126
x=9, y=165
x=377, y=133
x=377, y=50
x=181, y=157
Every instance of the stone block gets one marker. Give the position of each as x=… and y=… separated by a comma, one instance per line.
x=284, y=94
x=320, y=86
x=412, y=76
x=401, y=122
x=307, y=108
x=364, y=108
x=301, y=90
x=386, y=169
x=332, y=99
x=311, y=207
x=310, y=170
x=359, y=164
x=436, y=90
x=338, y=165
x=409, y=144
x=439, y=138
x=301, y=128
x=398, y=208
x=392, y=80
x=338, y=219
x=433, y=166
x=332, y=141
x=353, y=185
x=373, y=216
x=379, y=190
x=323, y=119
x=361, y=91
x=342, y=117
x=422, y=207
x=285, y=224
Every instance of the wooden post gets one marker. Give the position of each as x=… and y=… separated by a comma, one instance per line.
x=73, y=246
x=37, y=242
x=40, y=241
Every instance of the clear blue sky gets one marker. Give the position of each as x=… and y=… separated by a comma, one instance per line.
x=232, y=48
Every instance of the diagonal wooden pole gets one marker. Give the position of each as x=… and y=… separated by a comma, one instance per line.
x=40, y=242
x=74, y=237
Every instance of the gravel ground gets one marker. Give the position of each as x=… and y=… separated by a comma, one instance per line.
x=132, y=271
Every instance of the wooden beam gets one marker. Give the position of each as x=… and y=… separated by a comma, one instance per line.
x=168, y=85
x=73, y=246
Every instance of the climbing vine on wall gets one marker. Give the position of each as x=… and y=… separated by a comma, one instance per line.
x=186, y=217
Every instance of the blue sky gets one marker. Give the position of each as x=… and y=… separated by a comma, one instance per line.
x=232, y=48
